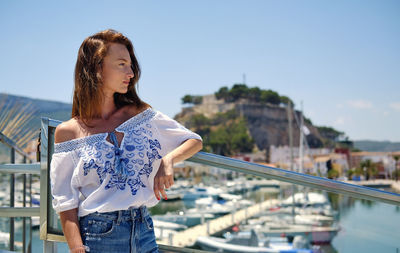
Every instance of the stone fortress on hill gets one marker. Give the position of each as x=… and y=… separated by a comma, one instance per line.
x=267, y=124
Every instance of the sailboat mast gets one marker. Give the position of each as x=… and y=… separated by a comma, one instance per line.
x=301, y=146
x=290, y=117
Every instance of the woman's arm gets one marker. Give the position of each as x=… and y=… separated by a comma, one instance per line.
x=70, y=226
x=69, y=218
x=165, y=174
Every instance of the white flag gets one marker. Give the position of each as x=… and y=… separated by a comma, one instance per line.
x=306, y=131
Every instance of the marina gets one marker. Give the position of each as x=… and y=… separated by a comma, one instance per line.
x=326, y=239
x=268, y=211
x=286, y=115
x=304, y=210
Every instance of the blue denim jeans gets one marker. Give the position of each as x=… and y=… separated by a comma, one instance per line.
x=125, y=231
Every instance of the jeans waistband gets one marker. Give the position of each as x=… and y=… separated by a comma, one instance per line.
x=123, y=215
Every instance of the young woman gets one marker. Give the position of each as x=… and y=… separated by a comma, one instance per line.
x=114, y=157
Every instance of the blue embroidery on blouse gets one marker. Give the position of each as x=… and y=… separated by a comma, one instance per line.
x=74, y=144
x=126, y=172
x=102, y=172
x=98, y=139
x=139, y=119
x=117, y=167
x=135, y=184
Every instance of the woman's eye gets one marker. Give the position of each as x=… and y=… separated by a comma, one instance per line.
x=122, y=64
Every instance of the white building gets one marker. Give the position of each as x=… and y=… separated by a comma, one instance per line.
x=281, y=157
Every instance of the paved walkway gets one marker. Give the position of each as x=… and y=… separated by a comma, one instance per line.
x=396, y=186
x=378, y=183
x=188, y=237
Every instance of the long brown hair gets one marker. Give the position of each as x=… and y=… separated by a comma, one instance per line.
x=88, y=95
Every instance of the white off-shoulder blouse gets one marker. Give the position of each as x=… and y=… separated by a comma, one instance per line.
x=96, y=175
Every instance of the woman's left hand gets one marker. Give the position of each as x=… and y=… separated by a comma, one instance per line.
x=164, y=178
x=165, y=174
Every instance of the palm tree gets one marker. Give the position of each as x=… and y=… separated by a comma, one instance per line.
x=14, y=118
x=369, y=168
x=396, y=169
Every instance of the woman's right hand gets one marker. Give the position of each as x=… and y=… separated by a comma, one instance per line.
x=164, y=178
x=70, y=226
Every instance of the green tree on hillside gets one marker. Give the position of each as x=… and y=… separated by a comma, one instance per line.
x=329, y=133
x=222, y=93
x=270, y=96
x=231, y=138
x=225, y=133
x=222, y=117
x=189, y=99
x=285, y=100
x=239, y=91
x=253, y=94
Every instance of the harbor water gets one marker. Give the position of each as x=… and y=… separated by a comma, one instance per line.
x=368, y=227
x=365, y=226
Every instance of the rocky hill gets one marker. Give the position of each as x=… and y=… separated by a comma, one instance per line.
x=42, y=108
x=377, y=146
x=267, y=124
x=254, y=124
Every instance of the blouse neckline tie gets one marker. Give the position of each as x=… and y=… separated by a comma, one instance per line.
x=120, y=166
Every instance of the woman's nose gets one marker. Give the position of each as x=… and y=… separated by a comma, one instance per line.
x=130, y=72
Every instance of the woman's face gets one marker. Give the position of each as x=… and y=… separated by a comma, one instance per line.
x=117, y=71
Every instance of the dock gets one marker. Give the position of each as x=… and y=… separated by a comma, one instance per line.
x=378, y=183
x=188, y=237
x=396, y=185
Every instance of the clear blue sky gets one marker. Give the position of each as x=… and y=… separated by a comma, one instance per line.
x=341, y=58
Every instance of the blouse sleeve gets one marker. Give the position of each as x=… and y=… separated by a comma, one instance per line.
x=64, y=186
x=172, y=133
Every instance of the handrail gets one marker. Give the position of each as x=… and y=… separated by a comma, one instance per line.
x=11, y=144
x=51, y=235
x=26, y=168
x=171, y=249
x=296, y=178
x=12, y=212
x=19, y=211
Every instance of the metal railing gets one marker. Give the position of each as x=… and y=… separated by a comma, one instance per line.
x=12, y=212
x=47, y=214
x=50, y=233
x=296, y=178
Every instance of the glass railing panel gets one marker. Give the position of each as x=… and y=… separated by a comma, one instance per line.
x=53, y=220
x=266, y=199
x=4, y=233
x=319, y=221
x=365, y=226
x=37, y=244
x=208, y=200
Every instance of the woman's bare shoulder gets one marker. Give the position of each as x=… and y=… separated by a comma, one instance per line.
x=66, y=131
x=132, y=110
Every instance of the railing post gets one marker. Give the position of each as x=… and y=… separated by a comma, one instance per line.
x=12, y=201
x=171, y=239
x=49, y=247
x=24, y=205
x=30, y=218
x=261, y=201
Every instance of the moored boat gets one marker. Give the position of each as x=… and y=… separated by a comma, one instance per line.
x=249, y=242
